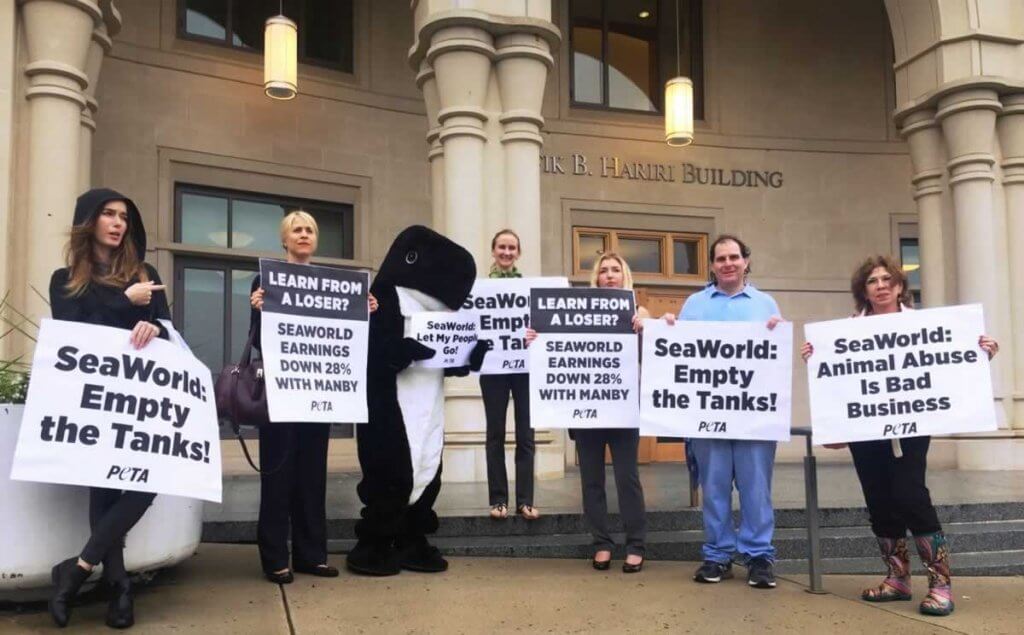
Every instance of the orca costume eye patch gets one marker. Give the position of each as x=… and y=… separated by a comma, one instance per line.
x=411, y=257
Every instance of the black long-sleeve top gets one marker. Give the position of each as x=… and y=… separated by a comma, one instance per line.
x=105, y=305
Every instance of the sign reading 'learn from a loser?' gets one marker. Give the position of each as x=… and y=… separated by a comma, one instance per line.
x=583, y=364
x=502, y=307
x=905, y=374
x=103, y=414
x=717, y=380
x=315, y=332
x=451, y=335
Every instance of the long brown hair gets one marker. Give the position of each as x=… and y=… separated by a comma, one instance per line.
x=125, y=263
x=859, y=281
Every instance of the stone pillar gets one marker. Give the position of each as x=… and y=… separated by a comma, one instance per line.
x=98, y=48
x=461, y=58
x=928, y=158
x=427, y=82
x=968, y=119
x=523, y=62
x=1010, y=127
x=57, y=34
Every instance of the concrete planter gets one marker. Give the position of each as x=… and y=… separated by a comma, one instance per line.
x=42, y=524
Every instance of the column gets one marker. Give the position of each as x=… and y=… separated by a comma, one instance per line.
x=968, y=120
x=427, y=82
x=523, y=62
x=1010, y=127
x=99, y=46
x=928, y=158
x=57, y=36
x=461, y=58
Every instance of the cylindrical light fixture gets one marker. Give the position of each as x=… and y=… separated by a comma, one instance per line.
x=280, y=58
x=679, y=111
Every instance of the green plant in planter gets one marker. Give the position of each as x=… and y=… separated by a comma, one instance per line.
x=14, y=374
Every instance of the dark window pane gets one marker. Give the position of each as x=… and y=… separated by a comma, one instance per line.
x=642, y=254
x=325, y=35
x=911, y=259
x=591, y=246
x=241, y=282
x=203, y=326
x=256, y=225
x=206, y=18
x=332, y=241
x=632, y=57
x=684, y=257
x=204, y=220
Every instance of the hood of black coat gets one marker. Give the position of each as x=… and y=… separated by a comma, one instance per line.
x=90, y=203
x=426, y=261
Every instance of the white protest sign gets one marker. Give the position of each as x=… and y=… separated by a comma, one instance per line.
x=502, y=306
x=904, y=374
x=451, y=335
x=103, y=414
x=315, y=334
x=583, y=364
x=716, y=380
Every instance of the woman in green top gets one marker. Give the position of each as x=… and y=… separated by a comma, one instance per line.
x=495, y=390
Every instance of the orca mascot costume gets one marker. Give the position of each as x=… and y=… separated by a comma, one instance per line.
x=400, y=447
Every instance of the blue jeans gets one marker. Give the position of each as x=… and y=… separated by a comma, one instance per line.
x=749, y=464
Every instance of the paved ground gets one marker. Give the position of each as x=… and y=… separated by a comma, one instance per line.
x=220, y=591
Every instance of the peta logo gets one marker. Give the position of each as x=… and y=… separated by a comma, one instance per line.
x=128, y=473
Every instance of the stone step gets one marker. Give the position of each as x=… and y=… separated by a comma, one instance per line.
x=987, y=563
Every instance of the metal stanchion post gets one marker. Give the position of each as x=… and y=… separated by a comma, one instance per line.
x=813, y=528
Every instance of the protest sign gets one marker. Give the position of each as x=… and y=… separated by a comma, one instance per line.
x=452, y=336
x=315, y=334
x=904, y=374
x=716, y=380
x=502, y=307
x=103, y=414
x=583, y=364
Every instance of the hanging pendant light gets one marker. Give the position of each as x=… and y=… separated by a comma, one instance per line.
x=280, y=57
x=678, y=103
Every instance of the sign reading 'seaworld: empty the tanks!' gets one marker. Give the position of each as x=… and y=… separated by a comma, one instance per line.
x=583, y=364
x=314, y=338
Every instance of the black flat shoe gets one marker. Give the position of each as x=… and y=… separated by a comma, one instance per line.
x=67, y=578
x=280, y=578
x=601, y=565
x=320, y=570
x=632, y=568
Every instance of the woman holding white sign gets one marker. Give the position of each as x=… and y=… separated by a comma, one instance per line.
x=495, y=390
x=612, y=272
x=294, y=489
x=892, y=472
x=106, y=282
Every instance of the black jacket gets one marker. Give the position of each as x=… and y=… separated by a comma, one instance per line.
x=101, y=304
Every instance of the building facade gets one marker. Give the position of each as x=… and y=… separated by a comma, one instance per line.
x=825, y=132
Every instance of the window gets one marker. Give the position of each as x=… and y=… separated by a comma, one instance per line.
x=211, y=217
x=910, y=257
x=649, y=254
x=325, y=26
x=623, y=52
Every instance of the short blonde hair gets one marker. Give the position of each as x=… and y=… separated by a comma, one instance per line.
x=627, y=273
x=291, y=219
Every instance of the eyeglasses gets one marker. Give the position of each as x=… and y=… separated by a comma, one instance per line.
x=875, y=281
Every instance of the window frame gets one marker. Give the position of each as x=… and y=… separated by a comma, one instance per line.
x=695, y=36
x=346, y=210
x=183, y=34
x=667, y=239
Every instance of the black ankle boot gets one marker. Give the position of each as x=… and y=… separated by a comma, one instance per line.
x=121, y=610
x=67, y=578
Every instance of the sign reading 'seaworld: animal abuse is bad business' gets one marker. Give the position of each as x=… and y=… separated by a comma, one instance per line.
x=103, y=414
x=314, y=337
x=904, y=374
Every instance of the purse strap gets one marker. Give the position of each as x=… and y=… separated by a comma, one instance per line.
x=244, y=362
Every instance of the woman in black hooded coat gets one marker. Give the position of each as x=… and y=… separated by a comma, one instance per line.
x=106, y=282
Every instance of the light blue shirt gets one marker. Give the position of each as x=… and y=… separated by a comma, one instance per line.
x=711, y=304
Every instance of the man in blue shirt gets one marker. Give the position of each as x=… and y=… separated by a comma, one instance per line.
x=729, y=298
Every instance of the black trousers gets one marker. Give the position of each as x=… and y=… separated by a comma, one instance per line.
x=894, y=488
x=293, y=496
x=624, y=443
x=495, y=390
x=112, y=513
